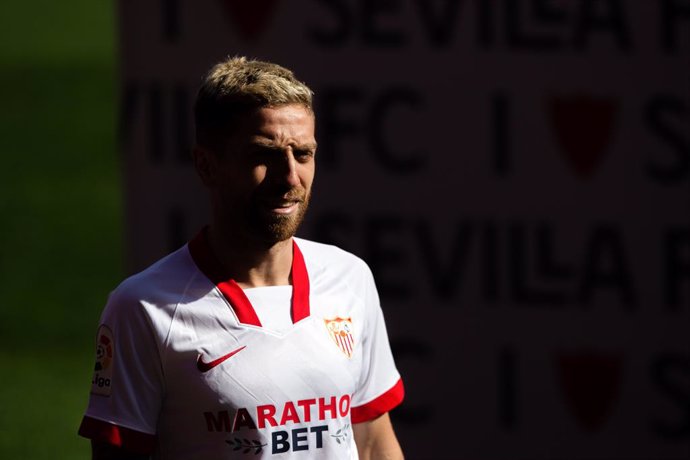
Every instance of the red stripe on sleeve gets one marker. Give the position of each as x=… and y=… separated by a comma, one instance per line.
x=380, y=405
x=131, y=440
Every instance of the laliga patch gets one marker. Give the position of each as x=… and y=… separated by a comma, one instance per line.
x=103, y=370
x=340, y=330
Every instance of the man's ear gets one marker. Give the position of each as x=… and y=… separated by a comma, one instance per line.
x=206, y=164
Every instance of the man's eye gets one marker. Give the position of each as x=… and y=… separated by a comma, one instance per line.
x=262, y=155
x=303, y=155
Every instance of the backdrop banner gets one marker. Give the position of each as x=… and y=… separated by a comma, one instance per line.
x=515, y=172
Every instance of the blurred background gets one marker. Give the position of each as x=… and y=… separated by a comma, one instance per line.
x=516, y=173
x=61, y=239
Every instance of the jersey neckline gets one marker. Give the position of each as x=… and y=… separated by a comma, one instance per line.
x=211, y=267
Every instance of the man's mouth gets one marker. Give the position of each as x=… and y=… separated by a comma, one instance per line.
x=283, y=205
x=285, y=208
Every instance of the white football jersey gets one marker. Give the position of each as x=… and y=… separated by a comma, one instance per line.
x=187, y=368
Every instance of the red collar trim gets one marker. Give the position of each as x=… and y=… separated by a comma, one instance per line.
x=233, y=293
x=300, y=286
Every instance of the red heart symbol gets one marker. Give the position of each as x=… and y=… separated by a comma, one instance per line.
x=583, y=126
x=249, y=17
x=590, y=382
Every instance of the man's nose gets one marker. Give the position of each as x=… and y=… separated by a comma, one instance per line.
x=288, y=169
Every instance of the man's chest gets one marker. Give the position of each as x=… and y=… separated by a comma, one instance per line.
x=227, y=380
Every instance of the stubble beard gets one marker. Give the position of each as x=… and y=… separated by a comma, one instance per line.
x=274, y=228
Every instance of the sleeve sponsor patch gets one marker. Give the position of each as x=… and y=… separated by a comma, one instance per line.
x=103, y=370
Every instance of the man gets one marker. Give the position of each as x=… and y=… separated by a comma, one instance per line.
x=247, y=342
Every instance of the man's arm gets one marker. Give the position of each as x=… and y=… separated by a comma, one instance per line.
x=376, y=439
x=105, y=451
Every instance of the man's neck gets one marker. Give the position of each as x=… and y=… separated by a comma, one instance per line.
x=252, y=263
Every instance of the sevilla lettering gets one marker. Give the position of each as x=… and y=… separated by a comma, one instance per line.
x=270, y=415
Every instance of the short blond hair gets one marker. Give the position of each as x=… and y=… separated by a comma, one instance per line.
x=235, y=87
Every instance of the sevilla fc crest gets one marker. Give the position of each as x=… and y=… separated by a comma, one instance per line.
x=340, y=330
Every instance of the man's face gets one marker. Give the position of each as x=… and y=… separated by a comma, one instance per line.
x=265, y=173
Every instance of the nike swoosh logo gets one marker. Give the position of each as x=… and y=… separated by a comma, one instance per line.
x=205, y=367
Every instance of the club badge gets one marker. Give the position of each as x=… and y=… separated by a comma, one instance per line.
x=340, y=330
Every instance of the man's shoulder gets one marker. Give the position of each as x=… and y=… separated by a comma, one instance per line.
x=323, y=251
x=161, y=281
x=329, y=258
x=150, y=298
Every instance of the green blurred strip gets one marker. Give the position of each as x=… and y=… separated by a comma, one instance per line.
x=52, y=32
x=60, y=202
x=43, y=394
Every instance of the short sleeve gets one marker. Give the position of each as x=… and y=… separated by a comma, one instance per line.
x=127, y=384
x=380, y=387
